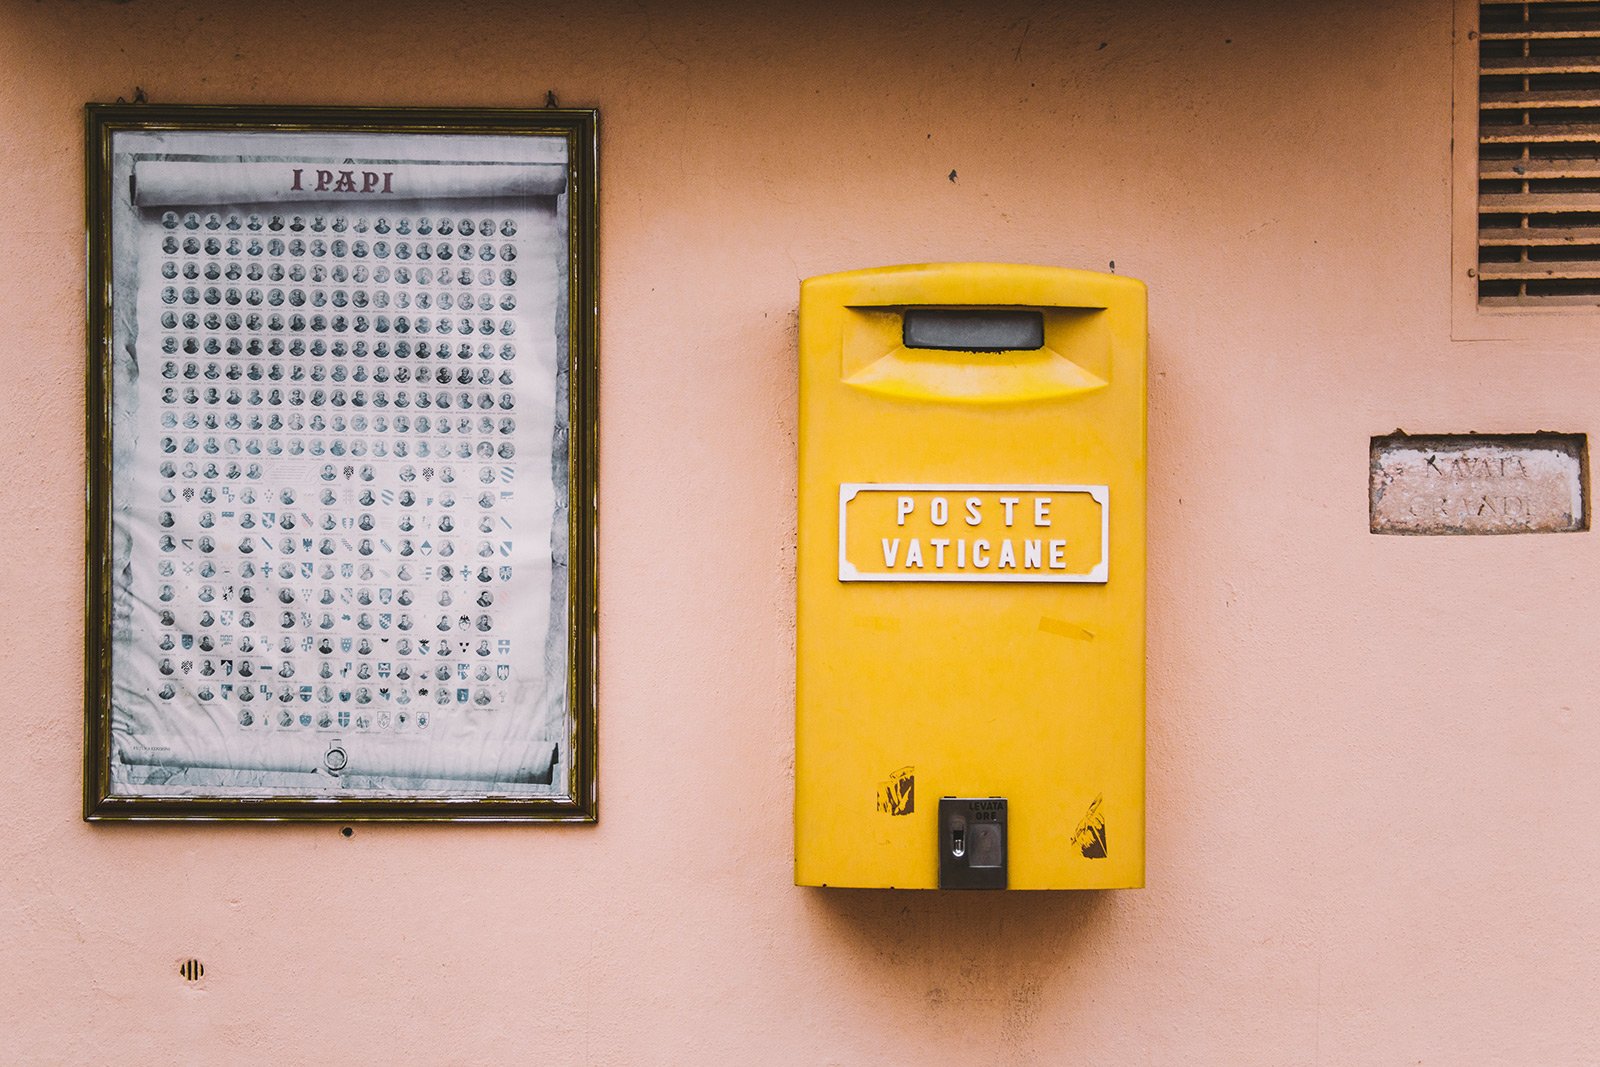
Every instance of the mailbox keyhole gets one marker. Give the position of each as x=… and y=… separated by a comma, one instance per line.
x=958, y=842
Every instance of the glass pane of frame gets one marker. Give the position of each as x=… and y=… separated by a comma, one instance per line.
x=342, y=470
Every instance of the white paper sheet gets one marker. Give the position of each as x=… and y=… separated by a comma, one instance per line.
x=340, y=466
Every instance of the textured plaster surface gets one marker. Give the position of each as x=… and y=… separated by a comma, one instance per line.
x=1373, y=761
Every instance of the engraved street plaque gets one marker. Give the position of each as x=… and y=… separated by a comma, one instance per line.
x=1479, y=483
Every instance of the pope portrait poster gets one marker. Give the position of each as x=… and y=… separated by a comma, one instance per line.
x=341, y=426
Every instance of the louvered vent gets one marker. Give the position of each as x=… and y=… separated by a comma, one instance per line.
x=1539, y=154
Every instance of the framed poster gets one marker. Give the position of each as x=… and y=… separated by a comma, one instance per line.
x=341, y=430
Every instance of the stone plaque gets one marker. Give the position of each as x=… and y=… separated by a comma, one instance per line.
x=1480, y=483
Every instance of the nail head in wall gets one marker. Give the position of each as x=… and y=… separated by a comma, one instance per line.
x=1479, y=483
x=348, y=831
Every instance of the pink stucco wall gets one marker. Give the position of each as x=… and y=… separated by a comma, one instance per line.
x=1373, y=762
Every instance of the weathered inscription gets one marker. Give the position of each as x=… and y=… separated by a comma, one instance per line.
x=1479, y=483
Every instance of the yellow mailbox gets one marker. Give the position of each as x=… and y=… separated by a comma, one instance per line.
x=970, y=647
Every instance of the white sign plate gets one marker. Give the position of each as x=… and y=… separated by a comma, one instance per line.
x=973, y=533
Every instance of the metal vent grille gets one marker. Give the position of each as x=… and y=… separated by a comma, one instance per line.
x=1539, y=154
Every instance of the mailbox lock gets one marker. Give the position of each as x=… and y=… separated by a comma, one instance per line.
x=972, y=843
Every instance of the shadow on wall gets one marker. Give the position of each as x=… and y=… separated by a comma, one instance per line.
x=955, y=947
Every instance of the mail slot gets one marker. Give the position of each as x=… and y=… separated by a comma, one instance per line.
x=971, y=579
